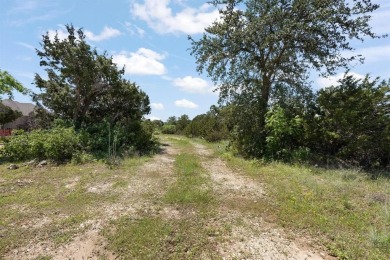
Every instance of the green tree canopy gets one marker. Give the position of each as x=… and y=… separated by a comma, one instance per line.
x=7, y=114
x=8, y=84
x=83, y=86
x=355, y=121
x=182, y=123
x=259, y=44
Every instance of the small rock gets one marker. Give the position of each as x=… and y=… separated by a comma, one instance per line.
x=42, y=163
x=13, y=167
x=32, y=162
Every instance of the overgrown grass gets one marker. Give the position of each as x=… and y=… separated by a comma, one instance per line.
x=186, y=236
x=51, y=203
x=192, y=186
x=344, y=209
x=159, y=238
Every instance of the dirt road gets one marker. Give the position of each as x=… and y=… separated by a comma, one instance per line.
x=239, y=206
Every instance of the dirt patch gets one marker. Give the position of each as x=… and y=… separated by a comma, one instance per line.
x=100, y=188
x=72, y=183
x=228, y=182
x=202, y=150
x=250, y=237
x=143, y=188
x=88, y=246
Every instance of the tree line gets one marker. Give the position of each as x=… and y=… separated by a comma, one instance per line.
x=259, y=53
x=347, y=124
x=84, y=105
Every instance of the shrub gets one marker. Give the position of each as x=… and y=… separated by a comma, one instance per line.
x=168, y=129
x=58, y=144
x=61, y=144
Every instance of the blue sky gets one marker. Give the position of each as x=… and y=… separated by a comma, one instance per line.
x=150, y=38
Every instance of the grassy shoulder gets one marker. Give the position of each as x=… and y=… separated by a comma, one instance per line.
x=53, y=203
x=345, y=210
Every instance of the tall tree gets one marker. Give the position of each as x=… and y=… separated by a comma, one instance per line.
x=84, y=86
x=259, y=44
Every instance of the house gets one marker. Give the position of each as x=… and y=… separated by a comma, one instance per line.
x=23, y=122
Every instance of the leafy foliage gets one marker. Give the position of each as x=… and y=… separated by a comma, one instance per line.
x=284, y=133
x=8, y=84
x=355, y=121
x=84, y=86
x=168, y=129
x=211, y=126
x=86, y=90
x=181, y=123
x=251, y=50
x=7, y=114
x=58, y=144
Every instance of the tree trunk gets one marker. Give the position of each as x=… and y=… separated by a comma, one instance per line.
x=263, y=109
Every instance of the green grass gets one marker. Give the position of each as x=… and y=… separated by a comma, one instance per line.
x=158, y=238
x=192, y=186
x=30, y=194
x=138, y=239
x=343, y=209
x=186, y=237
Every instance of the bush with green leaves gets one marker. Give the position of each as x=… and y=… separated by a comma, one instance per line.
x=168, y=129
x=354, y=122
x=284, y=134
x=57, y=144
x=129, y=137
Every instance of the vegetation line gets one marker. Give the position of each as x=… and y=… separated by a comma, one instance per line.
x=343, y=209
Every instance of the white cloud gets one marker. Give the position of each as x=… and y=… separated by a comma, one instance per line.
x=152, y=118
x=375, y=54
x=380, y=19
x=158, y=106
x=107, y=33
x=193, y=85
x=26, y=45
x=134, y=29
x=24, y=6
x=185, y=103
x=159, y=16
x=23, y=12
x=141, y=62
x=62, y=34
x=333, y=80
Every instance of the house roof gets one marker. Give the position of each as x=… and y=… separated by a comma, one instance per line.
x=24, y=108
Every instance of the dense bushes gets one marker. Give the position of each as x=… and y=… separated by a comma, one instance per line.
x=211, y=126
x=63, y=144
x=354, y=121
x=348, y=124
x=343, y=125
x=58, y=144
x=168, y=129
